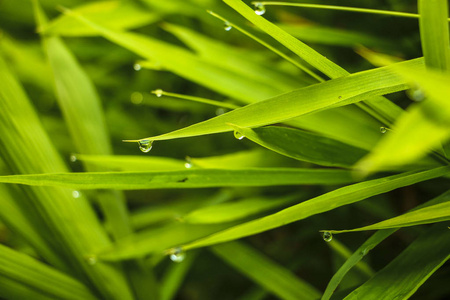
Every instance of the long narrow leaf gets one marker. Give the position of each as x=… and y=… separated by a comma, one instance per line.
x=184, y=179
x=320, y=204
x=39, y=277
x=408, y=271
x=262, y=270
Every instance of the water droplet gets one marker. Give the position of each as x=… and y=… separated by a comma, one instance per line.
x=136, y=98
x=259, y=8
x=76, y=194
x=340, y=97
x=364, y=251
x=177, y=255
x=383, y=129
x=327, y=236
x=238, y=135
x=73, y=158
x=137, y=67
x=188, y=163
x=91, y=259
x=416, y=94
x=220, y=111
x=158, y=92
x=145, y=145
x=227, y=26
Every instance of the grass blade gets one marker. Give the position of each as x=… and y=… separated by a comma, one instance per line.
x=431, y=214
x=236, y=210
x=200, y=178
x=381, y=108
x=278, y=280
x=368, y=245
x=329, y=94
x=408, y=271
x=326, y=202
x=40, y=278
x=111, y=14
x=303, y=146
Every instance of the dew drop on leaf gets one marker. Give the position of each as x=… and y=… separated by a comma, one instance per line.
x=259, y=8
x=158, y=92
x=91, y=259
x=177, y=255
x=227, y=26
x=416, y=94
x=137, y=67
x=238, y=135
x=76, y=194
x=73, y=158
x=145, y=145
x=383, y=129
x=188, y=163
x=327, y=236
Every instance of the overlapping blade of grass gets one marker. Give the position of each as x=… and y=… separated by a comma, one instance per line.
x=311, y=99
x=354, y=259
x=247, y=92
x=200, y=178
x=236, y=210
x=157, y=240
x=432, y=214
x=368, y=245
x=186, y=64
x=271, y=276
x=236, y=60
x=381, y=108
x=82, y=111
x=112, y=14
x=408, y=271
x=425, y=125
x=37, y=277
x=326, y=202
x=303, y=146
x=68, y=224
x=434, y=34
x=27, y=61
x=14, y=218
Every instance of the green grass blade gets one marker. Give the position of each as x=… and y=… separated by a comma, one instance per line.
x=381, y=108
x=368, y=245
x=157, y=241
x=200, y=178
x=303, y=146
x=69, y=224
x=344, y=8
x=236, y=210
x=329, y=94
x=354, y=259
x=39, y=277
x=271, y=276
x=232, y=58
x=111, y=14
x=160, y=93
x=13, y=217
x=326, y=202
x=432, y=214
x=408, y=271
x=416, y=133
x=186, y=64
x=434, y=34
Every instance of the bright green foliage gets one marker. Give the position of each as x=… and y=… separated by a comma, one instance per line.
x=266, y=131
